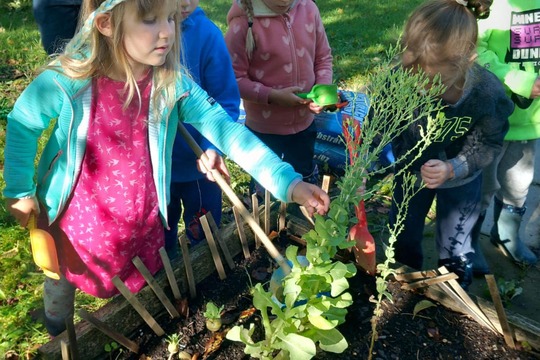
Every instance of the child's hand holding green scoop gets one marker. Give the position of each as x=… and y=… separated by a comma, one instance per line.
x=322, y=95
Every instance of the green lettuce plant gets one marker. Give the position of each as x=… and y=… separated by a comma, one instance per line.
x=315, y=297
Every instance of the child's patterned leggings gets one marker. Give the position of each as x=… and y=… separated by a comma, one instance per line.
x=59, y=301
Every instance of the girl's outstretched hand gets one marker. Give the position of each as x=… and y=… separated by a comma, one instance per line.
x=312, y=197
x=22, y=208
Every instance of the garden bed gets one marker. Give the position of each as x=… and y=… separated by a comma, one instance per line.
x=434, y=333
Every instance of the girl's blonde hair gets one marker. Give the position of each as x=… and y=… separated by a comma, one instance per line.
x=90, y=54
x=250, y=40
x=443, y=34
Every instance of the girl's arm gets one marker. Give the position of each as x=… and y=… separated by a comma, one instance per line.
x=31, y=115
x=485, y=141
x=248, y=151
x=37, y=105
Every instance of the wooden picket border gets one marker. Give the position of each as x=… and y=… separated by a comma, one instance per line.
x=119, y=314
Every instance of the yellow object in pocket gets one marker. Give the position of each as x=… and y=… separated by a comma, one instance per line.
x=43, y=250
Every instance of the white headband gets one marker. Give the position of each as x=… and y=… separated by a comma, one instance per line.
x=462, y=2
x=82, y=36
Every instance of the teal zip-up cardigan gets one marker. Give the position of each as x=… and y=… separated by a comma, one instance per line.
x=53, y=95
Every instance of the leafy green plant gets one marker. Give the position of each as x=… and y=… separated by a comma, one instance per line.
x=508, y=290
x=315, y=296
x=399, y=98
x=213, y=316
x=17, y=5
x=113, y=347
x=173, y=344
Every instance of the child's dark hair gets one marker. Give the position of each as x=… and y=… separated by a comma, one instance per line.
x=480, y=8
x=443, y=34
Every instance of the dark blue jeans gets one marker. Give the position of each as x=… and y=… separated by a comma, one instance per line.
x=457, y=210
x=195, y=198
x=57, y=22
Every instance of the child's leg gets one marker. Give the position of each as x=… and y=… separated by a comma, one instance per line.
x=458, y=210
x=59, y=302
x=516, y=171
x=515, y=175
x=174, y=211
x=299, y=150
x=409, y=242
x=199, y=197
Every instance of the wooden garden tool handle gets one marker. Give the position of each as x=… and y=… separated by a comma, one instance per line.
x=272, y=250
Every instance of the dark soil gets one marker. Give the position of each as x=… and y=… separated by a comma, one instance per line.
x=434, y=333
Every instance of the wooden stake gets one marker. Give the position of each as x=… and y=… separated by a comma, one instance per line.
x=72, y=337
x=150, y=321
x=282, y=215
x=217, y=234
x=170, y=274
x=508, y=332
x=416, y=275
x=155, y=287
x=465, y=299
x=255, y=209
x=429, y=281
x=306, y=214
x=241, y=233
x=213, y=248
x=326, y=183
x=270, y=247
x=104, y=328
x=297, y=239
x=187, y=264
x=65, y=350
x=267, y=212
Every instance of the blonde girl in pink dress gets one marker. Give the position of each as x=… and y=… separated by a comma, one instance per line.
x=118, y=93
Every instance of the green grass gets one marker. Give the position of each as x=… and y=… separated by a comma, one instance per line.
x=359, y=32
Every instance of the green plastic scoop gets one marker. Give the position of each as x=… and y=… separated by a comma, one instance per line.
x=322, y=95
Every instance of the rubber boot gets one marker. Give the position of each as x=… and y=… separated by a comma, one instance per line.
x=505, y=233
x=480, y=265
x=461, y=266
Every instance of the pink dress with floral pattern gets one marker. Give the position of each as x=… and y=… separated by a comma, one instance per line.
x=113, y=214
